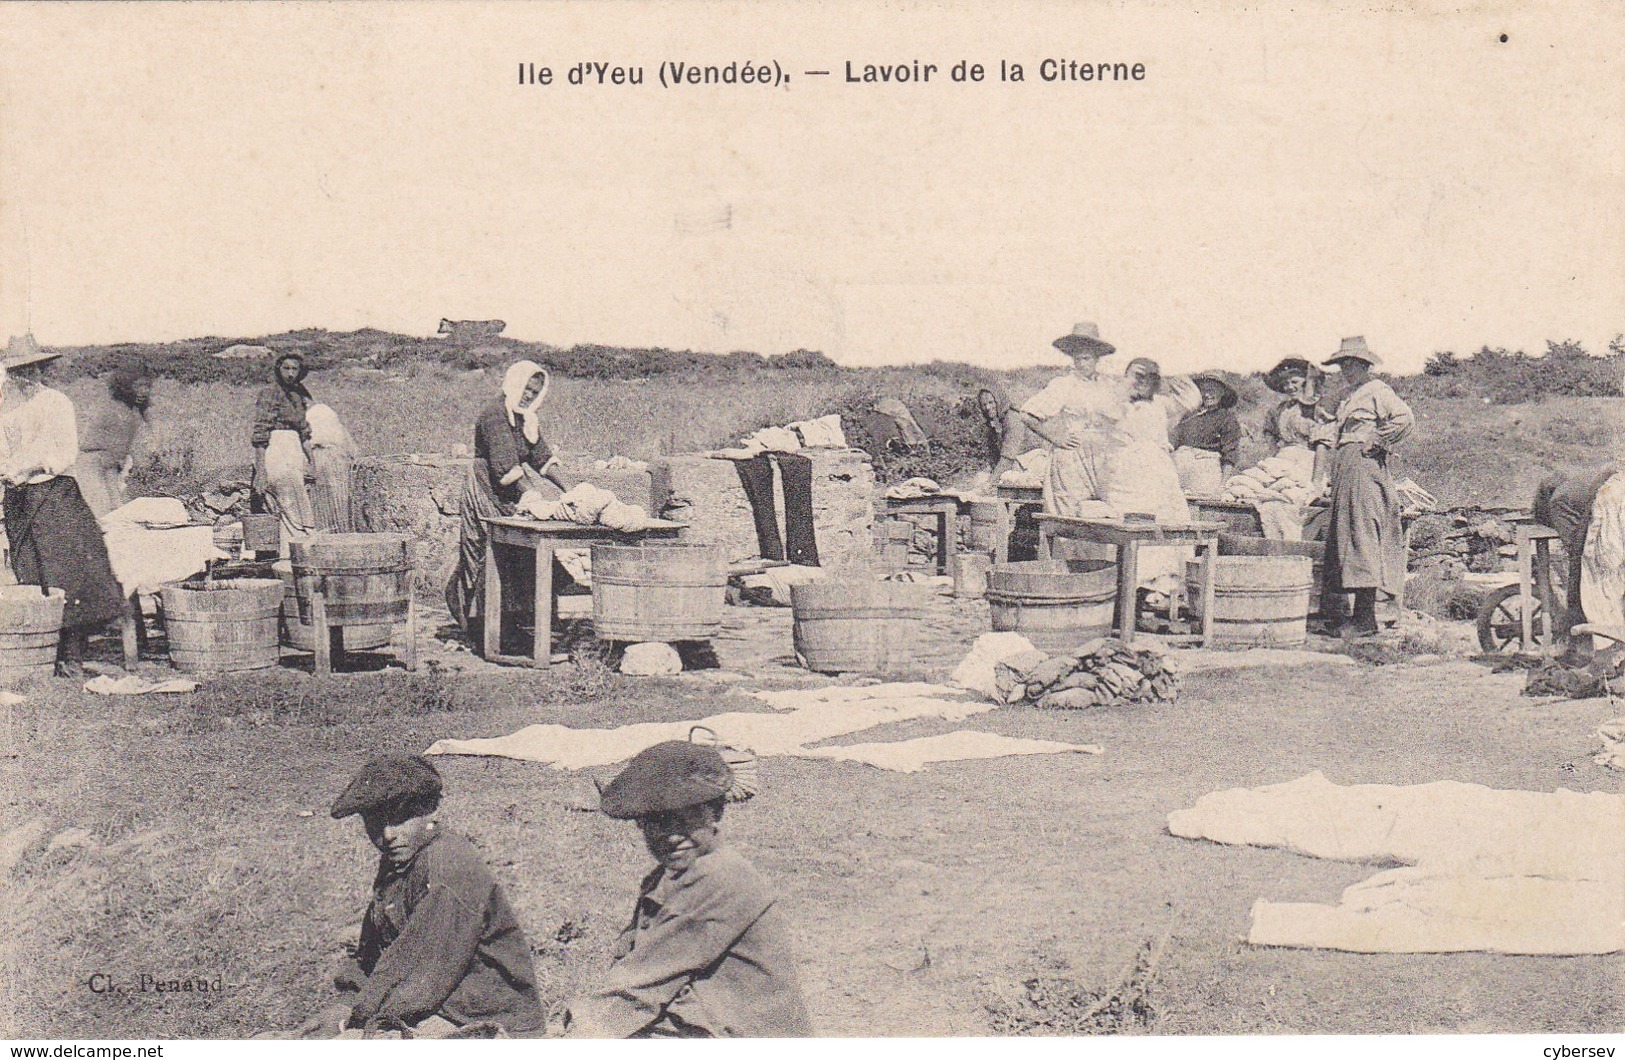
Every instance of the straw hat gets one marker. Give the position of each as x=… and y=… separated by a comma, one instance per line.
x=1084, y=341
x=1354, y=349
x=1227, y=396
x=1276, y=378
x=23, y=350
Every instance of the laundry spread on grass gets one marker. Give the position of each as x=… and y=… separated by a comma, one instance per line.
x=802, y=718
x=1517, y=872
x=962, y=745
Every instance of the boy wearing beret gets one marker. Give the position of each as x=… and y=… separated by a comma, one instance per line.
x=706, y=953
x=440, y=947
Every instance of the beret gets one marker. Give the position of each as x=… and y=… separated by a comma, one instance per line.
x=386, y=781
x=666, y=777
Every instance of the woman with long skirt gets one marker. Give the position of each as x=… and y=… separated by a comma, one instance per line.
x=510, y=458
x=55, y=539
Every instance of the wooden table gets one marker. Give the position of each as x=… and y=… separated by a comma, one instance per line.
x=945, y=506
x=1011, y=499
x=1127, y=537
x=1534, y=580
x=542, y=538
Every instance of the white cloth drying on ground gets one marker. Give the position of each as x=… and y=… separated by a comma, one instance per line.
x=803, y=718
x=620, y=463
x=149, y=544
x=962, y=745
x=1486, y=870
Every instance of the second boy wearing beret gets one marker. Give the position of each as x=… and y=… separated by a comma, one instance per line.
x=706, y=953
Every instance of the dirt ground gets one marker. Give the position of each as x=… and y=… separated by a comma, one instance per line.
x=921, y=903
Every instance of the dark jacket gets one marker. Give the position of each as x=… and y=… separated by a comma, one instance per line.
x=280, y=408
x=1216, y=430
x=503, y=446
x=706, y=954
x=440, y=939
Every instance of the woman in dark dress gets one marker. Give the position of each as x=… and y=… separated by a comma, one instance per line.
x=54, y=538
x=510, y=457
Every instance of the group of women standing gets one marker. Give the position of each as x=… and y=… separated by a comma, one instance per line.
x=1112, y=438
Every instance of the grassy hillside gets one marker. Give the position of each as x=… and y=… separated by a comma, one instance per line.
x=405, y=394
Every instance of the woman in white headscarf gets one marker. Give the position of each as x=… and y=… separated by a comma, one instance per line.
x=511, y=458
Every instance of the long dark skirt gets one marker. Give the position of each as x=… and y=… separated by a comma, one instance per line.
x=1365, y=548
x=465, y=593
x=56, y=542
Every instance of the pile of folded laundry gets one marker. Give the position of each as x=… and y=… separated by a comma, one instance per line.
x=1104, y=672
x=1274, y=478
x=588, y=505
x=1031, y=469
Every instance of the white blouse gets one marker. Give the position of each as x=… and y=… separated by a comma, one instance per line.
x=39, y=439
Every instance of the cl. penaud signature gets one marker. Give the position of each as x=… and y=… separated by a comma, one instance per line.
x=147, y=983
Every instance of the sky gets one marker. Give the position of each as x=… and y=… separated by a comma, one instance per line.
x=1279, y=179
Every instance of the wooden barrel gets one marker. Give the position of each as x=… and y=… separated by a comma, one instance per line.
x=858, y=626
x=30, y=626
x=1243, y=545
x=365, y=579
x=661, y=591
x=1056, y=606
x=301, y=636
x=223, y=626
x=1258, y=601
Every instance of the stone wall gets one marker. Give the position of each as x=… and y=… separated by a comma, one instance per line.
x=706, y=494
x=420, y=496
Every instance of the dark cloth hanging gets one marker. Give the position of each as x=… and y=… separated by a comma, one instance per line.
x=56, y=542
x=756, y=476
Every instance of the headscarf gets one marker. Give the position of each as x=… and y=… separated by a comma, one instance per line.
x=519, y=374
x=1001, y=403
x=326, y=429
x=122, y=386
x=298, y=384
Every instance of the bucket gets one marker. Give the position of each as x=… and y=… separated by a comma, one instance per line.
x=365, y=579
x=30, y=626
x=658, y=591
x=984, y=525
x=1056, y=606
x=301, y=636
x=220, y=627
x=858, y=626
x=1240, y=545
x=1258, y=601
x=262, y=533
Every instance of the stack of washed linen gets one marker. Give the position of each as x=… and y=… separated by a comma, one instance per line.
x=1103, y=672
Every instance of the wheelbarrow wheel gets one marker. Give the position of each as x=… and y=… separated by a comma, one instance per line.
x=1500, y=620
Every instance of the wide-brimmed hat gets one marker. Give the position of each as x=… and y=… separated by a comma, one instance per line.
x=1354, y=349
x=665, y=778
x=387, y=781
x=21, y=350
x=1276, y=378
x=1228, y=397
x=1084, y=340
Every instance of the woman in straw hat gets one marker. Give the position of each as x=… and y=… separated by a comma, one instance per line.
x=511, y=458
x=1299, y=429
x=1365, y=551
x=1078, y=414
x=55, y=539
